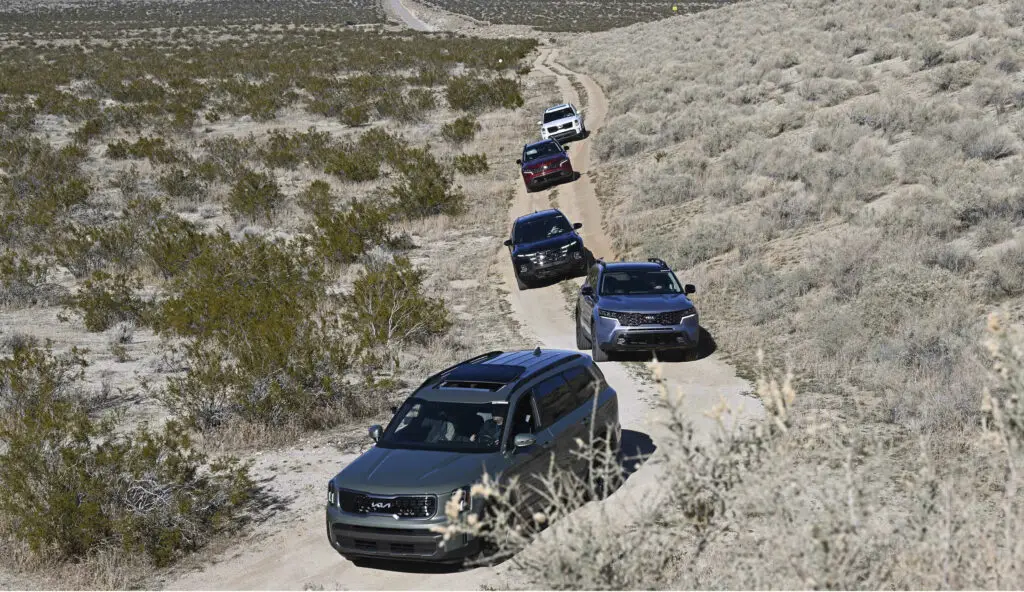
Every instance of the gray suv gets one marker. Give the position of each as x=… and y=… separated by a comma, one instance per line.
x=630, y=306
x=502, y=413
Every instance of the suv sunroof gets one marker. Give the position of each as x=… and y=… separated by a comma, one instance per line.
x=482, y=376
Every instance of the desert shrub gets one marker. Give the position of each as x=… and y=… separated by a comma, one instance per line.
x=254, y=195
x=425, y=187
x=316, y=198
x=23, y=281
x=288, y=151
x=387, y=307
x=355, y=115
x=461, y=130
x=225, y=158
x=1004, y=276
x=107, y=299
x=469, y=93
x=181, y=183
x=40, y=187
x=342, y=237
x=71, y=485
x=155, y=150
x=471, y=164
x=260, y=343
x=170, y=243
x=353, y=163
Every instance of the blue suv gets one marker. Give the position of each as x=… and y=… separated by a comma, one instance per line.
x=635, y=306
x=545, y=245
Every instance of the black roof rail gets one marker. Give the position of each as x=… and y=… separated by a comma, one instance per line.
x=547, y=367
x=480, y=358
x=658, y=261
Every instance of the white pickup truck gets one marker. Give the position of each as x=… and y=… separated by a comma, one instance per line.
x=563, y=122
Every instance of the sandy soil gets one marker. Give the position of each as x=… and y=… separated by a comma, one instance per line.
x=294, y=554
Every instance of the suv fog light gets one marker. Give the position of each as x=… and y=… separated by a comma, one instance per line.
x=680, y=339
x=577, y=255
x=621, y=340
x=522, y=269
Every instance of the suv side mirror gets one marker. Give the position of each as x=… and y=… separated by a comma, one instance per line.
x=524, y=440
x=689, y=289
x=587, y=291
x=508, y=242
x=577, y=226
x=375, y=431
x=519, y=161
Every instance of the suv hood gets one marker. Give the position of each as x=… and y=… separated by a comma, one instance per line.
x=543, y=245
x=393, y=471
x=561, y=121
x=645, y=303
x=528, y=164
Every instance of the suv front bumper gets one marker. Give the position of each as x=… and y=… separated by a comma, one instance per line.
x=571, y=133
x=572, y=262
x=382, y=537
x=612, y=336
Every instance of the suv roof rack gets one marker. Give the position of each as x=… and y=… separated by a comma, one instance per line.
x=482, y=357
x=658, y=261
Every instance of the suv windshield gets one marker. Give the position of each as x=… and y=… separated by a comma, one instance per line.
x=446, y=426
x=556, y=115
x=538, y=229
x=640, y=281
x=540, y=151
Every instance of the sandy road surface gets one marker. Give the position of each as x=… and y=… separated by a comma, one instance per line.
x=400, y=12
x=296, y=555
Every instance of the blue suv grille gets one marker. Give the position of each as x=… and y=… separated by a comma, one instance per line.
x=634, y=319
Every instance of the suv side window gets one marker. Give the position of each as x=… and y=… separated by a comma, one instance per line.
x=523, y=421
x=555, y=399
x=581, y=383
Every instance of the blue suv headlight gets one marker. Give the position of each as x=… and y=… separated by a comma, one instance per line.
x=608, y=314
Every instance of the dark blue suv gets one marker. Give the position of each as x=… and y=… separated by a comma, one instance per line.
x=631, y=306
x=545, y=245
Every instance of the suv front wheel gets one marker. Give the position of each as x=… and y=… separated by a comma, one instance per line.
x=581, y=340
x=596, y=352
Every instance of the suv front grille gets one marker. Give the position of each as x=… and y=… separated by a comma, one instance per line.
x=404, y=506
x=548, y=256
x=634, y=319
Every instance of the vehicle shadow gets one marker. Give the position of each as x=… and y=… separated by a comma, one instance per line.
x=707, y=347
x=634, y=450
x=422, y=567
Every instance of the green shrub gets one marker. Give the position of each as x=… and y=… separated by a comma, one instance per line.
x=471, y=164
x=387, y=307
x=225, y=158
x=288, y=151
x=425, y=186
x=316, y=198
x=469, y=93
x=105, y=300
x=341, y=237
x=181, y=183
x=254, y=195
x=155, y=150
x=353, y=164
x=171, y=243
x=461, y=130
x=260, y=345
x=355, y=115
x=22, y=281
x=71, y=485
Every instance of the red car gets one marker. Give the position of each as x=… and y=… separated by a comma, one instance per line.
x=544, y=163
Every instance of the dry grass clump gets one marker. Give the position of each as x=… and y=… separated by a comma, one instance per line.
x=849, y=195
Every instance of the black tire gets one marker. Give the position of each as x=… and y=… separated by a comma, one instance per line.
x=581, y=340
x=522, y=285
x=596, y=352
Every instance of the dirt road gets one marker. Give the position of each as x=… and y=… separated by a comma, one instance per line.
x=400, y=12
x=296, y=555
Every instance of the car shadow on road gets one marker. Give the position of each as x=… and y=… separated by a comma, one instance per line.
x=409, y=566
x=634, y=450
x=707, y=347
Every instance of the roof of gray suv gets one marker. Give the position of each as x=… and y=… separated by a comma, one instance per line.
x=488, y=377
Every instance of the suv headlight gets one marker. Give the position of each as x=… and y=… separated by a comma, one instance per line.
x=563, y=162
x=568, y=246
x=332, y=493
x=689, y=312
x=608, y=314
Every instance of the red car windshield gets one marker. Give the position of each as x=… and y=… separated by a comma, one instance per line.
x=541, y=151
